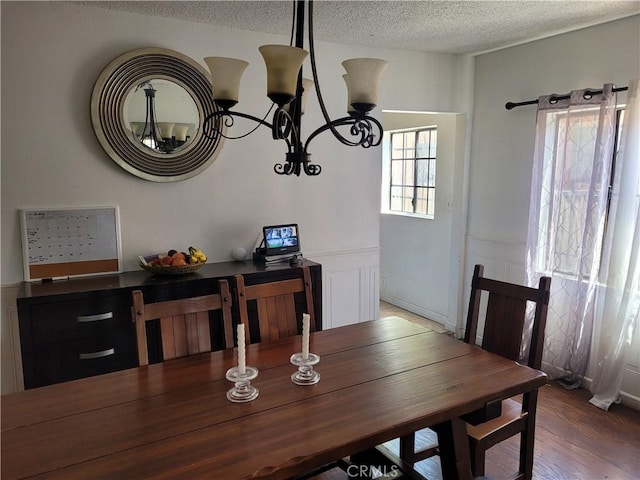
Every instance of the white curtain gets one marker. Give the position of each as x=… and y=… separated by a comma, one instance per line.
x=621, y=262
x=574, y=145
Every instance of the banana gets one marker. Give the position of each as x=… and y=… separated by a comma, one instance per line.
x=197, y=254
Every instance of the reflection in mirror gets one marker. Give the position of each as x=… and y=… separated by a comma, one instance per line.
x=161, y=116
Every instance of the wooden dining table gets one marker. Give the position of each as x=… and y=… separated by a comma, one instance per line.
x=378, y=380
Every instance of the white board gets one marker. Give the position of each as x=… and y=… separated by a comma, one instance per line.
x=68, y=242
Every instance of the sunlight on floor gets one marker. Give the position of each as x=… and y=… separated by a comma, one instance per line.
x=388, y=310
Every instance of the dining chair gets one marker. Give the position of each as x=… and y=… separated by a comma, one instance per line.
x=275, y=304
x=277, y=317
x=184, y=323
x=504, y=320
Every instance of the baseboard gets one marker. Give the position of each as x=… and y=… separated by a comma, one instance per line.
x=630, y=401
x=626, y=399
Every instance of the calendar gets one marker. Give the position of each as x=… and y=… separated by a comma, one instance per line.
x=68, y=242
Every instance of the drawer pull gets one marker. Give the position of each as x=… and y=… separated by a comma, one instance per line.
x=103, y=353
x=95, y=318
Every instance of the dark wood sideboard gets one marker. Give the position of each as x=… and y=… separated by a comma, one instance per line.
x=81, y=327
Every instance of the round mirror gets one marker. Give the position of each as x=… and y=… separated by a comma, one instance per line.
x=147, y=110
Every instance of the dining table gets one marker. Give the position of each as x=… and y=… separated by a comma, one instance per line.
x=379, y=380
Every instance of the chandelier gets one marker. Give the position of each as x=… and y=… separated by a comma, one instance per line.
x=287, y=89
x=164, y=137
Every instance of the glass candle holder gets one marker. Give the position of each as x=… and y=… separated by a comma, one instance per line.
x=305, y=375
x=242, y=391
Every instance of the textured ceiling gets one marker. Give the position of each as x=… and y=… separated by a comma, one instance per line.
x=445, y=26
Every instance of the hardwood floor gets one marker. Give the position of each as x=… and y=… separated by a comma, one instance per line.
x=574, y=439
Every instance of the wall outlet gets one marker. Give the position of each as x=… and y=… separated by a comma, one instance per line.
x=383, y=283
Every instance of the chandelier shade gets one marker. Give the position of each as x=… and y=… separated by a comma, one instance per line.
x=307, y=85
x=350, y=109
x=166, y=129
x=226, y=74
x=283, y=65
x=288, y=91
x=362, y=79
x=180, y=131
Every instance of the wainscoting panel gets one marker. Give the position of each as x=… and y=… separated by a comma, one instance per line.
x=350, y=286
x=340, y=289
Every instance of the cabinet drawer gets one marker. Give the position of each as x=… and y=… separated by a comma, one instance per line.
x=72, y=361
x=80, y=338
x=78, y=320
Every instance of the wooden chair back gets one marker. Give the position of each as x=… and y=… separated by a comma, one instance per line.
x=503, y=327
x=275, y=304
x=184, y=323
x=505, y=316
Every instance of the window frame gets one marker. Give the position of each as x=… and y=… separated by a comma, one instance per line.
x=417, y=173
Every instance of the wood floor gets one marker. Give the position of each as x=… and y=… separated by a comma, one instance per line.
x=574, y=439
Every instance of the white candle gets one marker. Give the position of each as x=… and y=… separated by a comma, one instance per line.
x=242, y=355
x=305, y=335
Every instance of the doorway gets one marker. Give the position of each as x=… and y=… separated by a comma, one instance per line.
x=421, y=258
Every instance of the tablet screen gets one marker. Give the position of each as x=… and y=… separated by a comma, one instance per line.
x=281, y=239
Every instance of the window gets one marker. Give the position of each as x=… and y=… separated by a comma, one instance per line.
x=570, y=182
x=412, y=176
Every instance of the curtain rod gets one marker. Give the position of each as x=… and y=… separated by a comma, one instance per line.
x=510, y=105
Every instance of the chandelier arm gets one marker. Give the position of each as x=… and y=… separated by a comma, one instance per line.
x=331, y=126
x=360, y=126
x=311, y=169
x=284, y=128
x=286, y=168
x=375, y=141
x=341, y=138
x=221, y=114
x=230, y=120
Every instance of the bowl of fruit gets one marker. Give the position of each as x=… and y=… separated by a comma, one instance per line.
x=173, y=262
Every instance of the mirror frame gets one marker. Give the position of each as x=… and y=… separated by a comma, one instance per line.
x=110, y=91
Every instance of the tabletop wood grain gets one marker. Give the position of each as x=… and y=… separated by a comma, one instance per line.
x=379, y=380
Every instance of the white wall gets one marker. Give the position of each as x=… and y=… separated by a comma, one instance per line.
x=52, y=53
x=502, y=140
